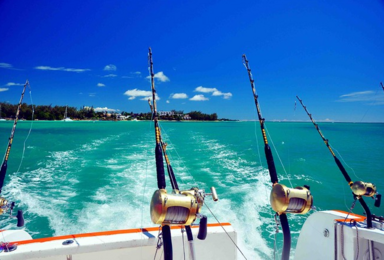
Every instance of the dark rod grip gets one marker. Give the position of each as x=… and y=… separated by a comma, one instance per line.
x=189, y=233
x=20, y=218
x=367, y=211
x=287, y=237
x=343, y=171
x=378, y=200
x=3, y=171
x=167, y=242
x=202, y=228
x=159, y=167
x=271, y=164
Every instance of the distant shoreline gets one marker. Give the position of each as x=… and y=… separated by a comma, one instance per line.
x=190, y=121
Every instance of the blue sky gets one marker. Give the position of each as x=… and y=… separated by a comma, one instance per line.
x=93, y=53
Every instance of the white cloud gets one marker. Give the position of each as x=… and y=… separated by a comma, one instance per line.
x=363, y=96
x=100, y=85
x=92, y=94
x=160, y=77
x=167, y=101
x=103, y=109
x=135, y=74
x=205, y=90
x=357, y=94
x=9, y=84
x=61, y=69
x=219, y=93
x=76, y=70
x=134, y=93
x=199, y=98
x=110, y=67
x=5, y=65
x=3, y=89
x=110, y=76
x=150, y=98
x=179, y=96
x=214, y=91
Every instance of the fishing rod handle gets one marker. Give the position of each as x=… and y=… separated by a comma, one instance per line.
x=167, y=239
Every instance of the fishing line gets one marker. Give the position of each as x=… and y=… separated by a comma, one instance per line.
x=278, y=156
x=266, y=192
x=178, y=157
x=30, y=129
x=257, y=143
x=369, y=108
x=345, y=199
x=144, y=189
x=345, y=162
x=224, y=230
x=182, y=236
x=293, y=133
x=143, y=196
x=205, y=203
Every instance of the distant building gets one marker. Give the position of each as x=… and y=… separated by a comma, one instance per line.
x=121, y=117
x=166, y=113
x=186, y=117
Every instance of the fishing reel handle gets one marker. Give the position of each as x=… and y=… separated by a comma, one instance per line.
x=20, y=218
x=377, y=200
x=203, y=226
x=213, y=194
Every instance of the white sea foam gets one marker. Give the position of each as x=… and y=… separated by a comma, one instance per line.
x=47, y=191
x=123, y=201
x=242, y=181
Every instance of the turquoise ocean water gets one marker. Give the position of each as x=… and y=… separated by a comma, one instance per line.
x=81, y=177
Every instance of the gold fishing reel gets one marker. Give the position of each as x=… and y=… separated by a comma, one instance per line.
x=180, y=208
x=4, y=205
x=366, y=189
x=291, y=200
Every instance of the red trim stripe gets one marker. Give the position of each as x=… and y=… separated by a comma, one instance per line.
x=357, y=218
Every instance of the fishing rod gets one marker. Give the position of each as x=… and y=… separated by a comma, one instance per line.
x=359, y=188
x=160, y=145
x=283, y=200
x=5, y=204
x=180, y=208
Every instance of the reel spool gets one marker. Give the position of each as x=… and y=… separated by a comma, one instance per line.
x=178, y=209
x=366, y=189
x=286, y=200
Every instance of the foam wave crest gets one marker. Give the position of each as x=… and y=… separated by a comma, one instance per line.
x=243, y=189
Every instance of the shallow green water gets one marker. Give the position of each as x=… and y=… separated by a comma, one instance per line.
x=93, y=176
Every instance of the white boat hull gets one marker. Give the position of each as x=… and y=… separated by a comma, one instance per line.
x=122, y=244
x=322, y=237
